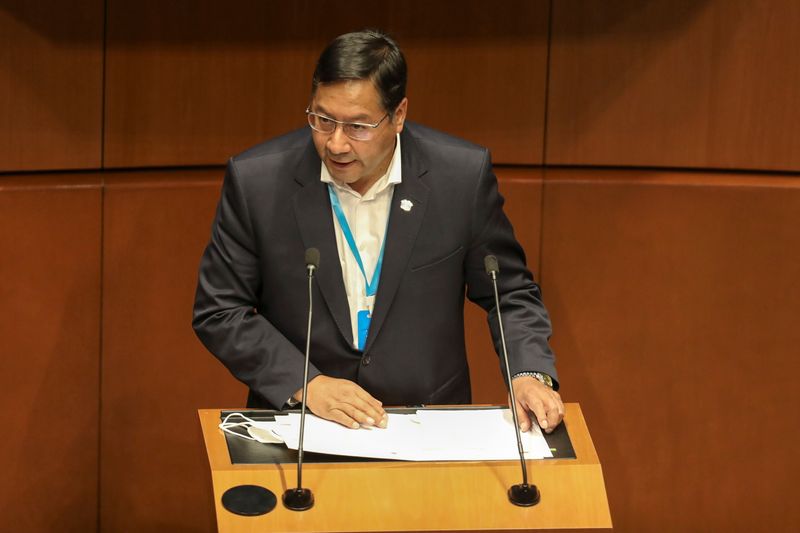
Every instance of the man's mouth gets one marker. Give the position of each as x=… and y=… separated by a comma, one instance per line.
x=341, y=164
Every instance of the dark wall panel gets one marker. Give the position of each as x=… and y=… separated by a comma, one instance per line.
x=522, y=189
x=675, y=83
x=51, y=60
x=195, y=82
x=478, y=73
x=156, y=374
x=674, y=300
x=49, y=367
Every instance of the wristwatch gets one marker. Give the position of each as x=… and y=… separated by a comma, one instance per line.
x=539, y=376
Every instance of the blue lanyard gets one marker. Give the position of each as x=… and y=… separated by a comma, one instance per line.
x=372, y=288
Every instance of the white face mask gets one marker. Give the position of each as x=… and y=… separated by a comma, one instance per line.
x=257, y=431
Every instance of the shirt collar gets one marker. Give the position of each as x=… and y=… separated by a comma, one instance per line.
x=393, y=175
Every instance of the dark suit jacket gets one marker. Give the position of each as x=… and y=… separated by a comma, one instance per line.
x=251, y=302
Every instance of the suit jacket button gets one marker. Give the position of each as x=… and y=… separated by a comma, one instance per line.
x=365, y=360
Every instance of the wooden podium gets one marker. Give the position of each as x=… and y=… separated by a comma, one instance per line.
x=418, y=496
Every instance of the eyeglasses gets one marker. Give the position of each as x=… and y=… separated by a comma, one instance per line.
x=358, y=131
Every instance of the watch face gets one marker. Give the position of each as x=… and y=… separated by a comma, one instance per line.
x=544, y=378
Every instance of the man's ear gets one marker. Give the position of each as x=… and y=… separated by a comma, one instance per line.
x=399, y=116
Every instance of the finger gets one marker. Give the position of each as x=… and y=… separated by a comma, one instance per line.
x=554, y=416
x=340, y=417
x=559, y=405
x=374, y=404
x=372, y=407
x=561, y=410
x=367, y=414
x=523, y=418
x=357, y=414
x=539, y=412
x=555, y=411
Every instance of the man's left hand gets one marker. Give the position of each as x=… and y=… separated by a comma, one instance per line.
x=537, y=402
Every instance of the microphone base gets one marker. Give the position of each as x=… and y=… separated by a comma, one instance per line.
x=298, y=499
x=523, y=495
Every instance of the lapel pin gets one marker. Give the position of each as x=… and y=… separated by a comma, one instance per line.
x=406, y=205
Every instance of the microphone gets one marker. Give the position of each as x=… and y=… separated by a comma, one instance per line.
x=300, y=499
x=312, y=259
x=524, y=495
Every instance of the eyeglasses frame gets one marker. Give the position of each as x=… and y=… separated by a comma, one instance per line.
x=343, y=123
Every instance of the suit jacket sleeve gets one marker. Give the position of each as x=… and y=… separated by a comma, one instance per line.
x=525, y=319
x=225, y=316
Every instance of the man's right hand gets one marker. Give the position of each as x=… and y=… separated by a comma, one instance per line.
x=342, y=401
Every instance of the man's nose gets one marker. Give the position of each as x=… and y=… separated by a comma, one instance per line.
x=338, y=142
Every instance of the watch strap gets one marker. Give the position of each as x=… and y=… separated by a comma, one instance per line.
x=539, y=376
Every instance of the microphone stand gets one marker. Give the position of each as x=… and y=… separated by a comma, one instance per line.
x=300, y=499
x=523, y=494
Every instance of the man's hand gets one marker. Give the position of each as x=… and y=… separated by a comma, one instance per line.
x=342, y=401
x=537, y=402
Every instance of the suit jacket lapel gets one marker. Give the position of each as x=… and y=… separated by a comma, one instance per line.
x=404, y=225
x=313, y=213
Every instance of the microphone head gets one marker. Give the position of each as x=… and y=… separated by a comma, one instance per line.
x=490, y=262
x=312, y=258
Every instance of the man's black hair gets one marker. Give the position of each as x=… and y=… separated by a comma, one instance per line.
x=365, y=55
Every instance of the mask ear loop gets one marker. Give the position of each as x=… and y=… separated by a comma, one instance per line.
x=228, y=426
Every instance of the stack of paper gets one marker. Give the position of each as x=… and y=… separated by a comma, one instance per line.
x=427, y=435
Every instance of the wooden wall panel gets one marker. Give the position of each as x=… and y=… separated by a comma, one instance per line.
x=156, y=374
x=195, y=82
x=479, y=73
x=675, y=84
x=49, y=368
x=51, y=60
x=522, y=189
x=675, y=300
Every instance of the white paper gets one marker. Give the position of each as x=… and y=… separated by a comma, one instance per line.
x=427, y=435
x=478, y=434
x=324, y=436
